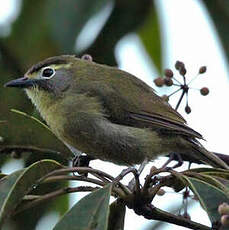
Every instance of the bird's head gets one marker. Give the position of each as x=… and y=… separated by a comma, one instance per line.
x=50, y=79
x=53, y=75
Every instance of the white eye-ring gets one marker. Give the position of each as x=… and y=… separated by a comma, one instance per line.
x=47, y=72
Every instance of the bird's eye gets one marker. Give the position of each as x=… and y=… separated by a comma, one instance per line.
x=47, y=72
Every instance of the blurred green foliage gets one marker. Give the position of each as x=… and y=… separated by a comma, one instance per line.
x=47, y=28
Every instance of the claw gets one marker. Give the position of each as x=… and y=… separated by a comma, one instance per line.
x=81, y=161
x=174, y=156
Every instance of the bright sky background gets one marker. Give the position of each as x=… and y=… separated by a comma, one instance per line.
x=188, y=37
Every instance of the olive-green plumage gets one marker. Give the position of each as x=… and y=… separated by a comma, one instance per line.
x=108, y=113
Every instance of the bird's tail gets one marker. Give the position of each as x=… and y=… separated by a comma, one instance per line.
x=207, y=157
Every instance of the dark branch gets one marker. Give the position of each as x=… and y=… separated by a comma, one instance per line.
x=153, y=213
x=8, y=149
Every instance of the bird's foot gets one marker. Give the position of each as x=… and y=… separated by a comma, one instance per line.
x=125, y=172
x=173, y=156
x=134, y=184
x=81, y=161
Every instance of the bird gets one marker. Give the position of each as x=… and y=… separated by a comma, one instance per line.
x=108, y=113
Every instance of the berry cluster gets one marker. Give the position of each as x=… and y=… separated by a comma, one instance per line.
x=223, y=210
x=169, y=80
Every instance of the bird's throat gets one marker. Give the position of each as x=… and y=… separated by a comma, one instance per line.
x=42, y=101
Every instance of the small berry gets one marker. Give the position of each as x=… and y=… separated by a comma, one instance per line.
x=179, y=65
x=223, y=209
x=153, y=169
x=168, y=73
x=159, y=82
x=161, y=192
x=182, y=71
x=168, y=81
x=204, y=91
x=225, y=220
x=87, y=57
x=202, y=69
x=188, y=109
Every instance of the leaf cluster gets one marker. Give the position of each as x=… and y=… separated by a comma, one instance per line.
x=20, y=191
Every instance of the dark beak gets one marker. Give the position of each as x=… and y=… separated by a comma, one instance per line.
x=23, y=82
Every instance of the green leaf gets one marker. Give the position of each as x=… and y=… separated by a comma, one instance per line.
x=15, y=186
x=219, y=11
x=32, y=118
x=117, y=215
x=211, y=171
x=35, y=34
x=211, y=180
x=209, y=196
x=2, y=175
x=91, y=212
x=74, y=14
x=150, y=36
x=5, y=187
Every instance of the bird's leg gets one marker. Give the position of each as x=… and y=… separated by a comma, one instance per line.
x=81, y=160
x=142, y=166
x=174, y=156
x=125, y=172
x=132, y=183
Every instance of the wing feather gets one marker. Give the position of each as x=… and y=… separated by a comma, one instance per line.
x=129, y=101
x=165, y=124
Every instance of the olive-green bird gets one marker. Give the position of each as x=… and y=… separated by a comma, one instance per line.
x=108, y=113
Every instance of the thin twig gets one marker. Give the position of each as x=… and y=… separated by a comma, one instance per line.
x=177, y=81
x=126, y=172
x=67, y=177
x=100, y=177
x=78, y=170
x=32, y=118
x=8, y=149
x=181, y=97
x=53, y=195
x=120, y=189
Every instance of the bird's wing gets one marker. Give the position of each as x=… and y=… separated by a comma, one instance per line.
x=164, y=124
x=129, y=101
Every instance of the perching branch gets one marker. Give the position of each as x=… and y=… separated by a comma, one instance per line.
x=139, y=201
x=153, y=213
x=18, y=149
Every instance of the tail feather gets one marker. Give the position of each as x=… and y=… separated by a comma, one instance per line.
x=207, y=157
